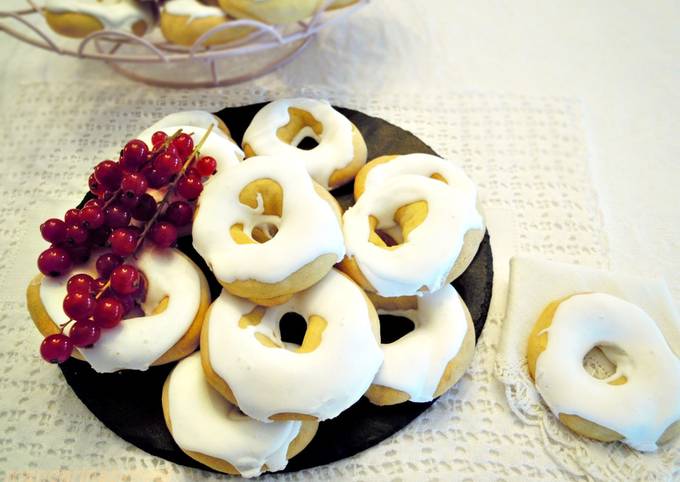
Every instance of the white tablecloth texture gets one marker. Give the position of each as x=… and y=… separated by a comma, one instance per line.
x=576, y=163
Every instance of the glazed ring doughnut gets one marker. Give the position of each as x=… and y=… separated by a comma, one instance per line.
x=429, y=360
x=184, y=21
x=195, y=118
x=177, y=299
x=432, y=230
x=639, y=404
x=244, y=356
x=80, y=18
x=280, y=126
x=271, y=11
x=266, y=231
x=214, y=432
x=386, y=167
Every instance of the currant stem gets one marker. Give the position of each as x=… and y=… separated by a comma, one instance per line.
x=110, y=201
x=171, y=189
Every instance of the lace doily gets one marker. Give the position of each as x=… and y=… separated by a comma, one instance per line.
x=528, y=156
x=528, y=296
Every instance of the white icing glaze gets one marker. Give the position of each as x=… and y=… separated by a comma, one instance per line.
x=321, y=383
x=225, y=152
x=640, y=409
x=137, y=342
x=203, y=421
x=307, y=229
x=192, y=9
x=335, y=149
x=113, y=14
x=195, y=118
x=432, y=248
x=415, y=363
x=423, y=165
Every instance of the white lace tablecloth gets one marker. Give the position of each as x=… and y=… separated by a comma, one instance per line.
x=407, y=62
x=528, y=155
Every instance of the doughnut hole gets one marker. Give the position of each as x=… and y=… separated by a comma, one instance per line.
x=307, y=143
x=301, y=125
x=293, y=333
x=600, y=363
x=265, y=194
x=406, y=219
x=293, y=328
x=394, y=327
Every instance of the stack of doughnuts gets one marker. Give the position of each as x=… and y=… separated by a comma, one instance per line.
x=414, y=228
x=279, y=243
x=182, y=22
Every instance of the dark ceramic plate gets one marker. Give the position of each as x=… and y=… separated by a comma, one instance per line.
x=129, y=402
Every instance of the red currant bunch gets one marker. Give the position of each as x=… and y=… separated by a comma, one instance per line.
x=124, y=213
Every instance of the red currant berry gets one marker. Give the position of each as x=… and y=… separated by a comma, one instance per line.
x=84, y=333
x=99, y=284
x=172, y=150
x=94, y=202
x=184, y=144
x=134, y=183
x=163, y=234
x=206, y=166
x=117, y=216
x=125, y=279
x=95, y=187
x=133, y=155
x=109, y=174
x=106, y=263
x=128, y=200
x=78, y=306
x=108, y=312
x=80, y=283
x=79, y=254
x=192, y=171
x=100, y=236
x=53, y=230
x=179, y=213
x=54, y=261
x=158, y=138
x=56, y=348
x=154, y=177
x=72, y=216
x=145, y=208
x=92, y=217
x=136, y=230
x=76, y=235
x=167, y=164
x=123, y=242
x=189, y=187
x=127, y=301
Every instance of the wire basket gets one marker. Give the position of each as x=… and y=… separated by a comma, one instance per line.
x=155, y=61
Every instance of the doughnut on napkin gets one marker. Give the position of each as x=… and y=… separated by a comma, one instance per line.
x=534, y=283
